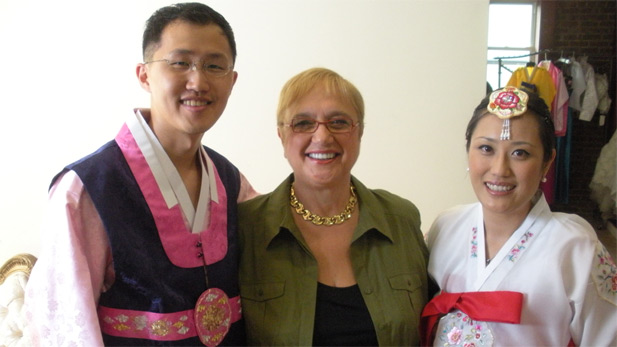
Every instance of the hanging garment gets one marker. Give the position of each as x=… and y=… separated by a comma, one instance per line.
x=604, y=101
x=589, y=101
x=578, y=84
x=559, y=108
x=562, y=163
x=603, y=184
x=535, y=77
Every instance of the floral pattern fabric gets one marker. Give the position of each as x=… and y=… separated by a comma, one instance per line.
x=458, y=329
x=605, y=274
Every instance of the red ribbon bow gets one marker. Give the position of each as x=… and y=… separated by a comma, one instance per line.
x=499, y=306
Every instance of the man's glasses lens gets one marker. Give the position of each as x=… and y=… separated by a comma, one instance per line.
x=215, y=68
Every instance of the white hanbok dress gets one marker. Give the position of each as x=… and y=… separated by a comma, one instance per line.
x=567, y=279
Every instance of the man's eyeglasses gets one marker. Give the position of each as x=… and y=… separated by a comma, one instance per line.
x=184, y=66
x=336, y=125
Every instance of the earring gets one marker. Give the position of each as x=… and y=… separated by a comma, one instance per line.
x=467, y=169
x=544, y=179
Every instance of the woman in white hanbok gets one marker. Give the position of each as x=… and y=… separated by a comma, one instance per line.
x=511, y=272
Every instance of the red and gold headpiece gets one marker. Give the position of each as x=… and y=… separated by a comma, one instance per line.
x=507, y=103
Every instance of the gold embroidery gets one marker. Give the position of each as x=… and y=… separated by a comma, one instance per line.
x=121, y=327
x=159, y=327
x=212, y=318
x=217, y=338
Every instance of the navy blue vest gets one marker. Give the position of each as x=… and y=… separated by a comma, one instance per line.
x=145, y=278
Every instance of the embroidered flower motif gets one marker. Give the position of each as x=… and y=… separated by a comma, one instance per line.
x=520, y=246
x=605, y=274
x=160, y=327
x=458, y=329
x=154, y=327
x=474, y=243
x=454, y=336
x=122, y=318
x=507, y=100
x=507, y=103
x=140, y=322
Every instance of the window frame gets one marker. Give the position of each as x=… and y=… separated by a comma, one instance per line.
x=517, y=52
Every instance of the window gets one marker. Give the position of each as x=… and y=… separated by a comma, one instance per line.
x=511, y=33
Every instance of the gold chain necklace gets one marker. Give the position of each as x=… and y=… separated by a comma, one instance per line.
x=319, y=220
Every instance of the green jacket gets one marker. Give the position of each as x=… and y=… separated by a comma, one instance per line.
x=278, y=273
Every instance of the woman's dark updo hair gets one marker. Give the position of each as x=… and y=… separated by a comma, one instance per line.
x=535, y=106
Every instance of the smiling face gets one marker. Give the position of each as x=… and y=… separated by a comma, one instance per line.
x=505, y=175
x=187, y=103
x=321, y=159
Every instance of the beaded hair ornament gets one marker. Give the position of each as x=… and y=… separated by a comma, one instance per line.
x=507, y=103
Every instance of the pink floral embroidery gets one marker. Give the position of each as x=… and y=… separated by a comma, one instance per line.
x=474, y=243
x=454, y=336
x=520, y=246
x=507, y=100
x=605, y=274
x=508, y=103
x=458, y=329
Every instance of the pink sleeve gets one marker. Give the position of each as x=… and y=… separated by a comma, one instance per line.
x=69, y=275
x=246, y=190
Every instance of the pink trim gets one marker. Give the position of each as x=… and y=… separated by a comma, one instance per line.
x=155, y=326
x=183, y=248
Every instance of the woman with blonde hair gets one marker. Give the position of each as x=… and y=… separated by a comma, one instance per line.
x=324, y=259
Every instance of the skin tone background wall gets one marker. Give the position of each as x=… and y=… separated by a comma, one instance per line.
x=68, y=82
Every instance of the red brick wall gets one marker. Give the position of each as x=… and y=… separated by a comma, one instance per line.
x=578, y=28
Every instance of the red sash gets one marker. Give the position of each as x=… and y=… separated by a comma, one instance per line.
x=499, y=306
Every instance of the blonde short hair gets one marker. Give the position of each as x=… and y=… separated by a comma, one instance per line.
x=301, y=84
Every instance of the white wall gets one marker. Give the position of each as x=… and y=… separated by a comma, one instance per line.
x=67, y=82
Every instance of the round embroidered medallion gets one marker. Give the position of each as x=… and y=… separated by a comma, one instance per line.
x=212, y=316
x=458, y=329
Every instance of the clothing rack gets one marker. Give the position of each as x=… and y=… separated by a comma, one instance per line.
x=501, y=59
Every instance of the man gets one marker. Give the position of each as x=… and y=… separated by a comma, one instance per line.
x=140, y=244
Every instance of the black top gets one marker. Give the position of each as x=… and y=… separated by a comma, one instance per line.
x=342, y=318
